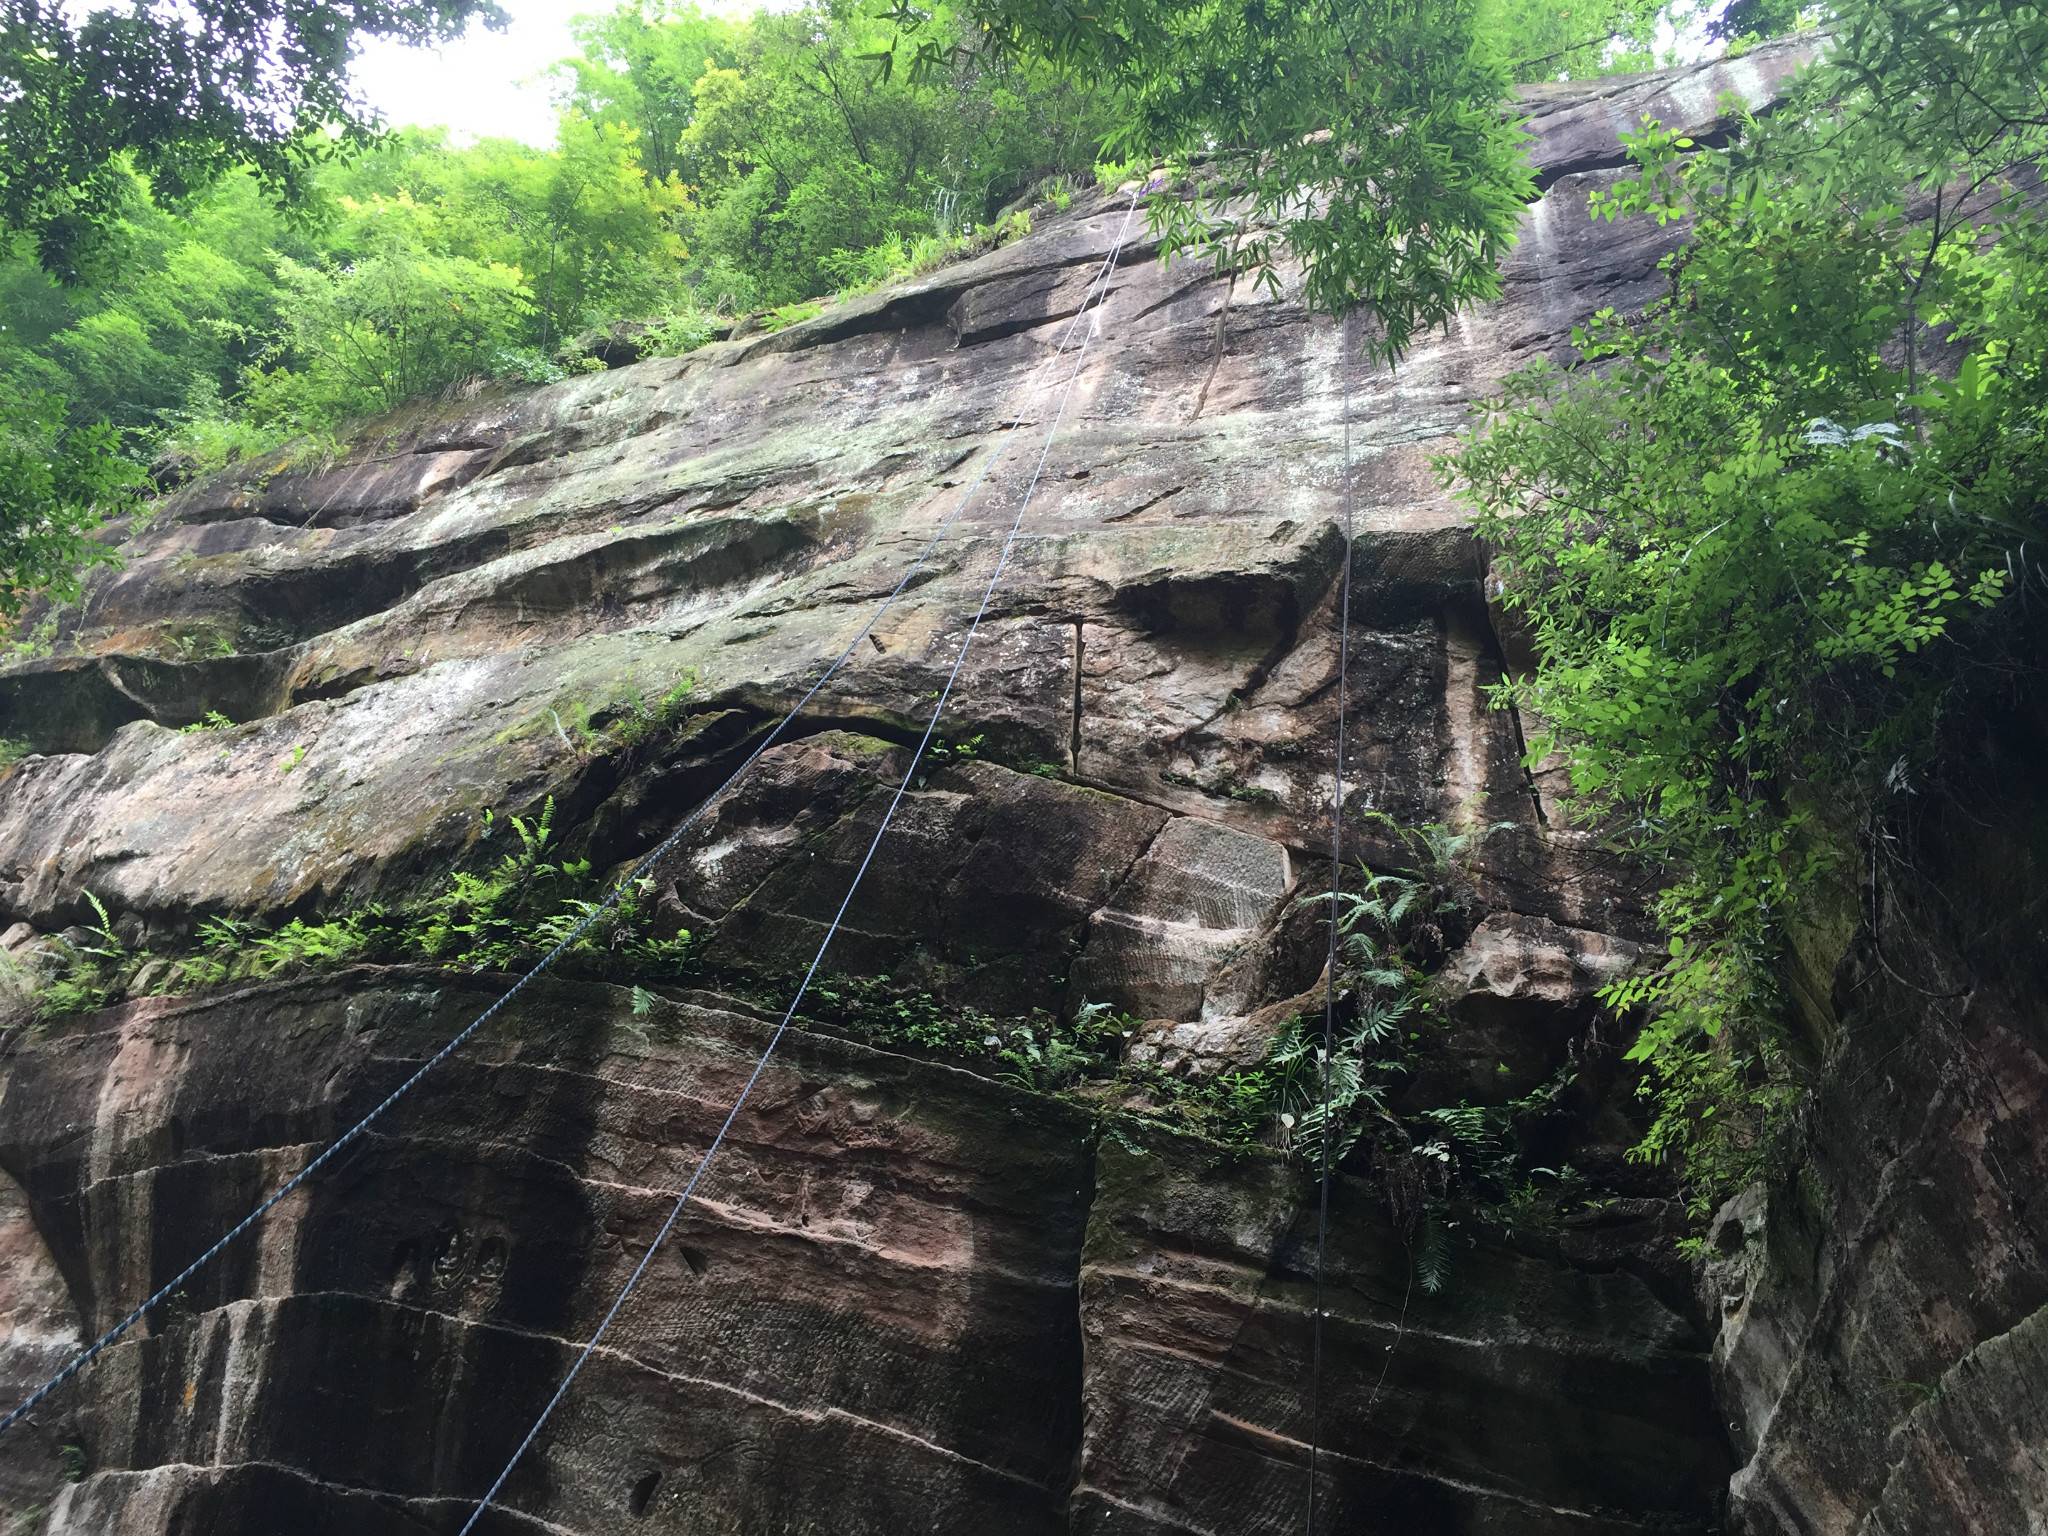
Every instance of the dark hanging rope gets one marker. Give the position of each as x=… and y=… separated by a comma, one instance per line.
x=903, y=788
x=1315, y=1390
x=84, y=1357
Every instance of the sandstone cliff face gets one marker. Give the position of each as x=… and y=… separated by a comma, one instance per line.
x=912, y=1297
x=1884, y=1340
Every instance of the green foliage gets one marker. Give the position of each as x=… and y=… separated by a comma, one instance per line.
x=1321, y=1106
x=1046, y=1057
x=962, y=750
x=785, y=315
x=622, y=723
x=1755, y=543
x=895, y=259
x=25, y=641
x=1319, y=1121
x=163, y=325
x=82, y=978
x=1430, y=1161
x=57, y=483
x=701, y=168
x=183, y=93
x=1233, y=1109
x=807, y=155
x=503, y=918
x=529, y=903
x=1036, y=1051
x=642, y=70
x=1573, y=40
x=374, y=333
x=221, y=331
x=209, y=437
x=683, y=331
x=239, y=949
x=593, y=232
x=1388, y=109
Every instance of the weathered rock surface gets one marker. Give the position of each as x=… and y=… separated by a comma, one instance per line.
x=1196, y=1287
x=878, y=1316
x=911, y=1298
x=1884, y=1338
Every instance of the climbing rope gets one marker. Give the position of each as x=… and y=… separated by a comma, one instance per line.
x=85, y=1356
x=1315, y=1399
x=831, y=931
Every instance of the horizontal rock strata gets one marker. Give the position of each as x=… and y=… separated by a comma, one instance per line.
x=911, y=1298
x=908, y=1298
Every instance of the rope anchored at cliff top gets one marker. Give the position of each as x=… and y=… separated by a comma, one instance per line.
x=903, y=788
x=85, y=1356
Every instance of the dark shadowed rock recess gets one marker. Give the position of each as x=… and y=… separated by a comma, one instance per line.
x=914, y=1297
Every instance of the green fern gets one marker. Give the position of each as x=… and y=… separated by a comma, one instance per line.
x=1432, y=1255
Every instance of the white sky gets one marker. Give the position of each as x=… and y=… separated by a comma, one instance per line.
x=487, y=85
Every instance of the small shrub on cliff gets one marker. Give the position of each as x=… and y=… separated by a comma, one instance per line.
x=784, y=316
x=682, y=332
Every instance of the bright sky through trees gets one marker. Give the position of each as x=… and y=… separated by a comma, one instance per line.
x=490, y=84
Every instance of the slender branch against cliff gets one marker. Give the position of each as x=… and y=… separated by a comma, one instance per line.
x=853, y=889
x=79, y=1361
x=1216, y=361
x=1315, y=1391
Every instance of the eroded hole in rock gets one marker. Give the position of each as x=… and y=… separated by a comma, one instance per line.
x=451, y=1261
x=643, y=1494
x=405, y=1263
x=490, y=1258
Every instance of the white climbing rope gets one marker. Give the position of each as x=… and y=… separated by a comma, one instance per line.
x=1315, y=1410
x=85, y=1356
x=739, y=1103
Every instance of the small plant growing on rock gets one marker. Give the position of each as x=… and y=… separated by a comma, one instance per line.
x=1310, y=1126
x=1047, y=1057
x=1428, y=1160
x=22, y=642
x=954, y=751
x=786, y=315
x=682, y=332
x=622, y=723
x=85, y=959
x=504, y=918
